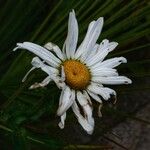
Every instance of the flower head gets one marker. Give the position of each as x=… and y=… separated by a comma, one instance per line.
x=80, y=73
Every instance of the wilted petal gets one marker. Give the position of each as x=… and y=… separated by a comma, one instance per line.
x=99, y=110
x=87, y=97
x=41, y=84
x=86, y=107
x=36, y=62
x=26, y=75
x=54, y=48
x=102, y=91
x=52, y=72
x=40, y=51
x=62, y=122
x=83, y=122
x=95, y=96
x=66, y=101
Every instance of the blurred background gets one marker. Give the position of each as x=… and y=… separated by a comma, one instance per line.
x=28, y=118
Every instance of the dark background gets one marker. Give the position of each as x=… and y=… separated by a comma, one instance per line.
x=28, y=118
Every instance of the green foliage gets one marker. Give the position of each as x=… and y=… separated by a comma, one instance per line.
x=39, y=21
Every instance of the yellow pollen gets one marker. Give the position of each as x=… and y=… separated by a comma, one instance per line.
x=77, y=74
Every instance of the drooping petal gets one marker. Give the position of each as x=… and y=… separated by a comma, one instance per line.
x=40, y=51
x=83, y=122
x=72, y=37
x=63, y=116
x=66, y=100
x=36, y=62
x=52, y=72
x=41, y=84
x=102, y=91
x=112, y=80
x=95, y=96
x=86, y=107
x=99, y=110
x=62, y=121
x=54, y=48
x=91, y=37
x=26, y=75
x=87, y=97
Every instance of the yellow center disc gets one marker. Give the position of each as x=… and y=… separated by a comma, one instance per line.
x=77, y=74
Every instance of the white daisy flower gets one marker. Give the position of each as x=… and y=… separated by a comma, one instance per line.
x=79, y=72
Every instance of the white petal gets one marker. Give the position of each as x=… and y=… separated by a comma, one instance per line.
x=83, y=122
x=95, y=96
x=41, y=52
x=62, y=73
x=106, y=45
x=82, y=47
x=86, y=108
x=81, y=99
x=72, y=37
x=109, y=46
x=52, y=47
x=52, y=72
x=97, y=58
x=65, y=101
x=60, y=84
x=90, y=54
x=62, y=122
x=61, y=96
x=100, y=55
x=103, y=45
x=104, y=92
x=91, y=37
x=41, y=49
x=104, y=48
x=112, y=46
x=112, y=80
x=104, y=72
x=113, y=62
x=95, y=33
x=99, y=110
x=42, y=84
x=64, y=49
x=26, y=75
x=73, y=95
x=36, y=62
x=87, y=97
x=110, y=63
